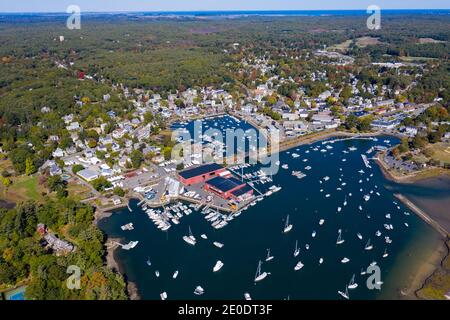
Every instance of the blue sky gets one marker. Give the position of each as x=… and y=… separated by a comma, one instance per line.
x=205, y=5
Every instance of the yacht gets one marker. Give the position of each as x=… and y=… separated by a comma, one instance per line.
x=247, y=296
x=287, y=226
x=297, y=249
x=218, y=266
x=127, y=227
x=269, y=257
x=352, y=284
x=175, y=274
x=345, y=260
x=203, y=236
x=260, y=276
x=298, y=266
x=218, y=244
x=199, y=291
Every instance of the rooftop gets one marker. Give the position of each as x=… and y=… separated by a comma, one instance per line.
x=198, y=171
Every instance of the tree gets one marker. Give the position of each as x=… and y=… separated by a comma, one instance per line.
x=364, y=123
x=351, y=122
x=136, y=158
x=77, y=168
x=29, y=167
x=101, y=183
x=6, y=182
x=118, y=191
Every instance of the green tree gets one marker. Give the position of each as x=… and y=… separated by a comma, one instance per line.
x=29, y=167
x=136, y=158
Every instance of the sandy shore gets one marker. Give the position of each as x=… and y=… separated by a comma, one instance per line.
x=113, y=263
x=433, y=263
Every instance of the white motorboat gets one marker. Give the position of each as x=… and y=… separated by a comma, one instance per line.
x=199, y=291
x=163, y=295
x=218, y=266
x=359, y=236
x=345, y=260
x=157, y=273
x=313, y=234
x=203, y=236
x=320, y=260
x=247, y=296
x=321, y=222
x=218, y=244
x=298, y=266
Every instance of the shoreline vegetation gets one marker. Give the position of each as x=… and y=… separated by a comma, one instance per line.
x=430, y=277
x=424, y=278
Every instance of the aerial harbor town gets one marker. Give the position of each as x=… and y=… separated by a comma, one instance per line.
x=289, y=131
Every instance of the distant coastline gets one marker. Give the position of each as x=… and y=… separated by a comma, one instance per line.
x=237, y=13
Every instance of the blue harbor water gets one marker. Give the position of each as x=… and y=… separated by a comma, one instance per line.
x=336, y=174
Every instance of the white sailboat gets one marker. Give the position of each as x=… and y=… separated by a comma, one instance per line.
x=359, y=236
x=344, y=294
x=269, y=257
x=260, y=275
x=345, y=260
x=352, y=284
x=339, y=239
x=368, y=246
x=175, y=274
x=287, y=226
x=190, y=239
x=385, y=254
x=297, y=249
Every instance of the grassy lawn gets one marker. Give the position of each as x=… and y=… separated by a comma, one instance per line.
x=78, y=191
x=441, y=151
x=22, y=189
